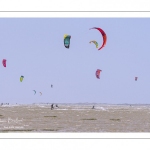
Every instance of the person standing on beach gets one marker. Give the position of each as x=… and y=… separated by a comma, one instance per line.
x=93, y=107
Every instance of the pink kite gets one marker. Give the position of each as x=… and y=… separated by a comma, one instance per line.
x=4, y=62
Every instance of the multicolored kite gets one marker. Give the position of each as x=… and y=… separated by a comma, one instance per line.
x=67, y=40
x=21, y=78
x=94, y=43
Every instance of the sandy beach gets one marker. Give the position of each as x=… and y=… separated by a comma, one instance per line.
x=75, y=118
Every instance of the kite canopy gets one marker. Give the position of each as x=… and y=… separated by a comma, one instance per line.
x=34, y=92
x=40, y=93
x=98, y=71
x=4, y=62
x=136, y=78
x=67, y=40
x=103, y=35
x=21, y=78
x=94, y=43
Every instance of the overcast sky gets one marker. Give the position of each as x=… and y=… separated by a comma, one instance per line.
x=34, y=48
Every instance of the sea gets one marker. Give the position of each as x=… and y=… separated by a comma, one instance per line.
x=75, y=118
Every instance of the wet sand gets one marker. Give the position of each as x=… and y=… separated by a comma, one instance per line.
x=75, y=118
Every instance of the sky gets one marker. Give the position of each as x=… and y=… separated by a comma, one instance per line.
x=34, y=48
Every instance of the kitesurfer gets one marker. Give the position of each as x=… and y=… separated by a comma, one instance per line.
x=52, y=106
x=93, y=107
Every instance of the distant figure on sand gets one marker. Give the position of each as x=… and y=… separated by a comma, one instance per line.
x=93, y=107
x=52, y=106
x=57, y=106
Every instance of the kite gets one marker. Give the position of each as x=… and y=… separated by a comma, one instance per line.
x=136, y=78
x=34, y=92
x=103, y=35
x=21, y=78
x=40, y=93
x=67, y=40
x=4, y=62
x=51, y=85
x=94, y=43
x=98, y=73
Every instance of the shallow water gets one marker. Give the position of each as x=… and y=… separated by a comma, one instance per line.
x=75, y=118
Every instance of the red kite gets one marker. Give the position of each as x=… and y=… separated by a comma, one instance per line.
x=98, y=73
x=104, y=37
